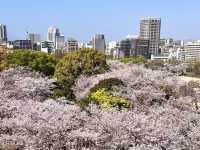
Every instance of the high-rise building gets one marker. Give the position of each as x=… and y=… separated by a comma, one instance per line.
x=99, y=43
x=3, y=33
x=150, y=30
x=52, y=33
x=60, y=42
x=72, y=45
x=35, y=38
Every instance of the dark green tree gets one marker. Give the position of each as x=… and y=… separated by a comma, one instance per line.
x=38, y=61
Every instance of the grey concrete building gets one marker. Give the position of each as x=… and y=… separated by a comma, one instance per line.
x=132, y=47
x=35, y=38
x=35, y=41
x=99, y=43
x=22, y=44
x=140, y=47
x=150, y=29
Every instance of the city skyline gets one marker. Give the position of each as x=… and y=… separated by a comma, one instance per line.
x=83, y=19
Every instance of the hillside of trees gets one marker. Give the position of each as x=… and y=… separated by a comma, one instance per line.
x=85, y=101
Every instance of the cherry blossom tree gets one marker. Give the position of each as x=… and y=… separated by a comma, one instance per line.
x=31, y=119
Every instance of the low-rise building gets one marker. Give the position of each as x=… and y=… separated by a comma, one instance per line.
x=72, y=45
x=47, y=46
x=140, y=47
x=160, y=57
x=110, y=47
x=123, y=49
x=22, y=44
x=192, y=50
x=132, y=47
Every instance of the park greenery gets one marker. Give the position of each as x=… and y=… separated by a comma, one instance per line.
x=134, y=60
x=39, y=61
x=3, y=62
x=108, y=101
x=84, y=62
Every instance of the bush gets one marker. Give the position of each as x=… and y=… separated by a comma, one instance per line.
x=155, y=64
x=3, y=60
x=107, y=84
x=83, y=62
x=134, y=60
x=59, y=54
x=169, y=91
x=196, y=68
x=38, y=61
x=109, y=102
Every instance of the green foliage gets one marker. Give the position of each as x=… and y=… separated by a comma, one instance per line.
x=38, y=61
x=73, y=64
x=107, y=84
x=196, y=67
x=193, y=68
x=155, y=64
x=63, y=89
x=109, y=102
x=134, y=60
x=169, y=91
x=58, y=54
x=3, y=60
x=3, y=65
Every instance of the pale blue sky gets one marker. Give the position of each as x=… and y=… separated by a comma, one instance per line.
x=115, y=18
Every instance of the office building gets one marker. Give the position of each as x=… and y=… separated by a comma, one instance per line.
x=140, y=47
x=35, y=41
x=47, y=46
x=52, y=34
x=60, y=42
x=3, y=33
x=22, y=44
x=123, y=49
x=150, y=30
x=35, y=38
x=99, y=43
x=192, y=50
x=72, y=45
x=131, y=46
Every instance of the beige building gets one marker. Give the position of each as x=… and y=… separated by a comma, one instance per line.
x=192, y=50
x=72, y=45
x=150, y=30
